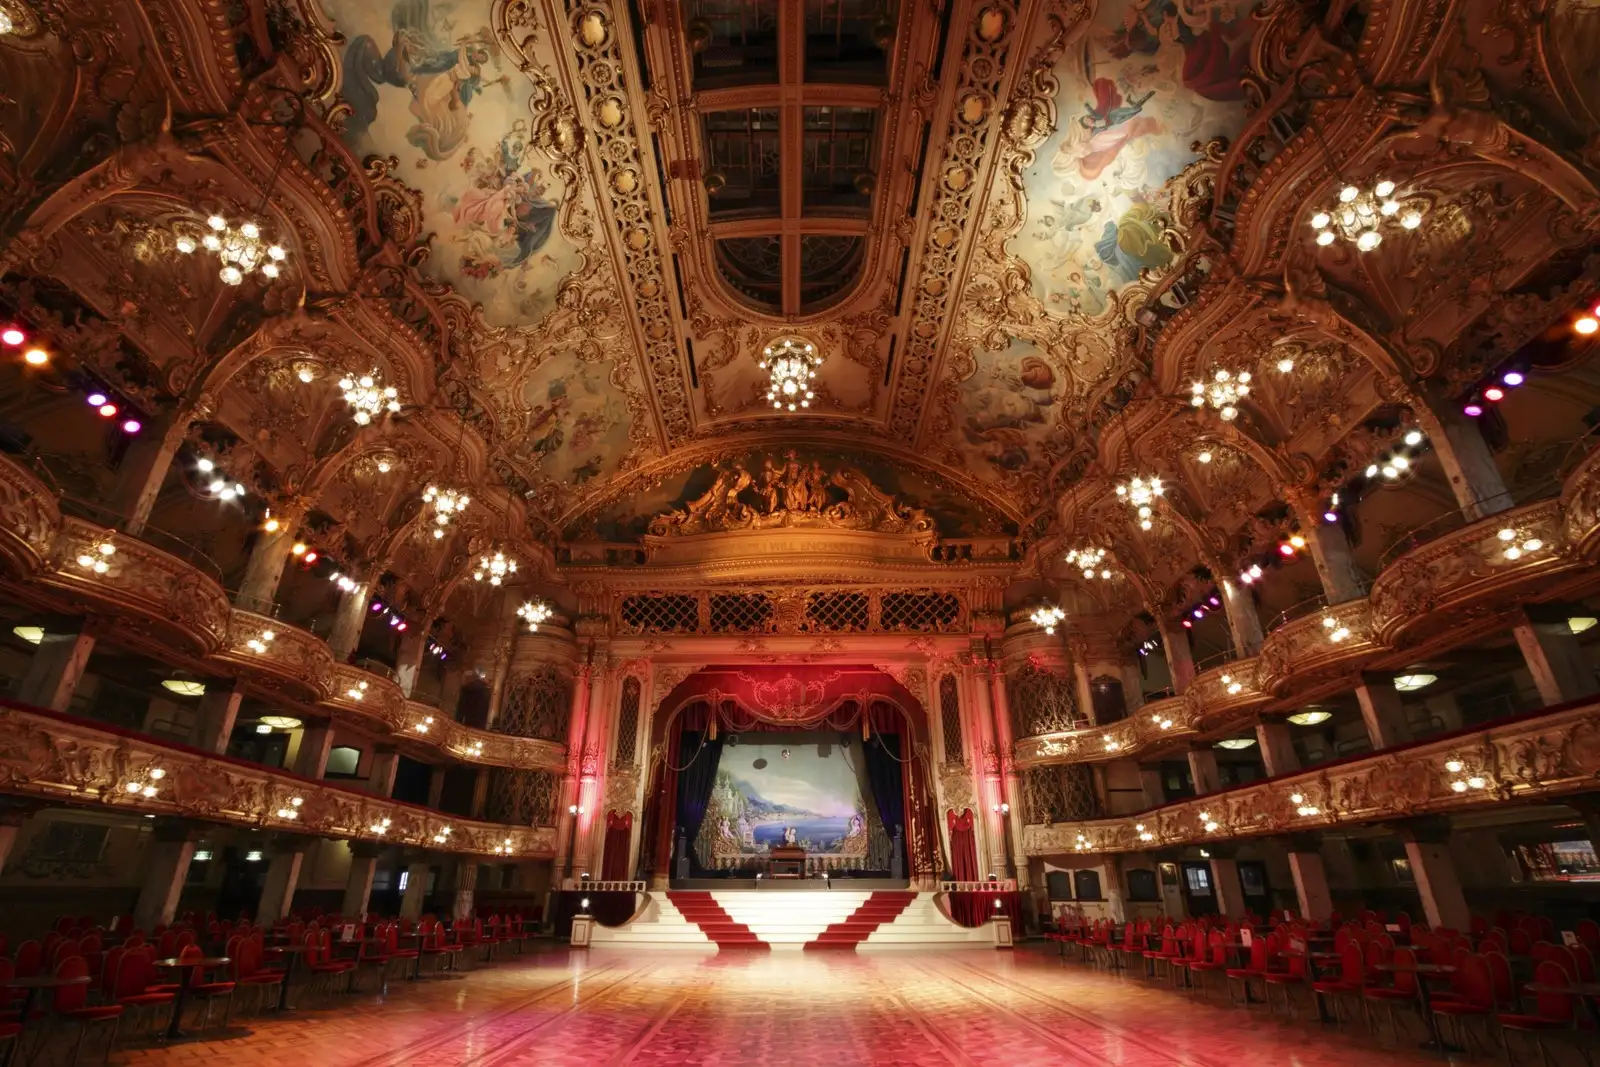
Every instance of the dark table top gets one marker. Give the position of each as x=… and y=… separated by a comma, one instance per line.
x=46, y=981
x=202, y=961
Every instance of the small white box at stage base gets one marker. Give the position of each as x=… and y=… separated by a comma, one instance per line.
x=582, y=930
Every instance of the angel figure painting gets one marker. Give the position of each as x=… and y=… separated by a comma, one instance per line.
x=1149, y=80
x=428, y=84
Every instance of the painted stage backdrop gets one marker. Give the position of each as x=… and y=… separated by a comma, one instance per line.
x=813, y=793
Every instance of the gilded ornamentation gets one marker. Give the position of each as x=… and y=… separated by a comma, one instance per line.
x=792, y=495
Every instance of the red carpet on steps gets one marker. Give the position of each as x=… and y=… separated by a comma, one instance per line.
x=703, y=910
x=876, y=910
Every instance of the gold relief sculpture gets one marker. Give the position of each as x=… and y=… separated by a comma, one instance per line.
x=792, y=495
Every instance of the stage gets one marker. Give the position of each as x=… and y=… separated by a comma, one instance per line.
x=791, y=885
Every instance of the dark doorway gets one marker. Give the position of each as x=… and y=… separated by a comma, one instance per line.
x=1199, y=892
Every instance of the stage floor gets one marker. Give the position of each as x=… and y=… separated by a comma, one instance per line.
x=830, y=1008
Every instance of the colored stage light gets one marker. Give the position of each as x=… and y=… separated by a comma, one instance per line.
x=1472, y=410
x=36, y=357
x=1330, y=516
x=13, y=336
x=1513, y=377
x=108, y=411
x=132, y=426
x=1285, y=548
x=1494, y=394
x=96, y=399
x=1587, y=325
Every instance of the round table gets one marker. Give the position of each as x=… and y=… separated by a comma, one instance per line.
x=1425, y=971
x=187, y=967
x=34, y=983
x=293, y=952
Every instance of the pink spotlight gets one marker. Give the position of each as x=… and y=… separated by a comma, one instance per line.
x=1472, y=410
x=1330, y=516
x=1494, y=394
x=96, y=399
x=132, y=426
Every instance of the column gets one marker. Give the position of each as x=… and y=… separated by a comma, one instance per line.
x=1180, y=658
x=450, y=692
x=502, y=662
x=1203, y=769
x=1382, y=712
x=349, y=618
x=56, y=668
x=1155, y=793
x=466, y=888
x=385, y=763
x=1083, y=689
x=995, y=854
x=1132, y=686
x=283, y=875
x=436, y=787
x=166, y=866
x=1310, y=879
x=1556, y=661
x=145, y=466
x=416, y=894
x=270, y=554
x=408, y=660
x=1336, y=566
x=358, y=887
x=315, y=744
x=11, y=817
x=1229, y=890
x=592, y=768
x=1443, y=903
x=571, y=786
x=1111, y=887
x=1466, y=460
x=1009, y=777
x=1277, y=748
x=480, y=794
x=214, y=718
x=1243, y=622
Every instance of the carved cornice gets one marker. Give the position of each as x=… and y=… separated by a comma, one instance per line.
x=69, y=761
x=1547, y=755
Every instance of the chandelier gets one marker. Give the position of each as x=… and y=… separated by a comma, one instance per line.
x=791, y=365
x=241, y=249
x=447, y=504
x=1223, y=392
x=368, y=397
x=494, y=568
x=1361, y=214
x=535, y=612
x=1142, y=494
x=1089, y=560
x=1048, y=618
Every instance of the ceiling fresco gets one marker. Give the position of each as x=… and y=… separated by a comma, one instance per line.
x=1147, y=81
x=1012, y=409
x=428, y=84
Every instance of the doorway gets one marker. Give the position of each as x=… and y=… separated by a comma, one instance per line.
x=1199, y=892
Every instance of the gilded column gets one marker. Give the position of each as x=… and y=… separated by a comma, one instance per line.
x=1011, y=795
x=576, y=718
x=592, y=764
x=990, y=792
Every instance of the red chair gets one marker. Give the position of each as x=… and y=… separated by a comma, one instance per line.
x=373, y=953
x=395, y=951
x=435, y=947
x=320, y=962
x=1351, y=980
x=1473, y=989
x=248, y=969
x=1170, y=950
x=134, y=985
x=1260, y=952
x=208, y=991
x=1552, y=1012
x=1292, y=976
x=71, y=1004
x=1588, y=932
x=1585, y=961
x=1401, y=993
x=29, y=960
x=1215, y=960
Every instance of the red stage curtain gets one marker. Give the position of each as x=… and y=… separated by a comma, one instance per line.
x=619, y=835
x=963, y=846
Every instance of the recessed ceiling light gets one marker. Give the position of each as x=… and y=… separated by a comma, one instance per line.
x=280, y=722
x=1577, y=624
x=1311, y=716
x=1408, y=683
x=1236, y=743
x=184, y=687
x=35, y=634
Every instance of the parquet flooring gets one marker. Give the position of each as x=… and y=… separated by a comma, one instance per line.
x=559, y=1007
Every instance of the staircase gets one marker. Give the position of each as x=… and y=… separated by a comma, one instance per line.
x=790, y=919
x=923, y=925
x=660, y=925
x=878, y=909
x=721, y=928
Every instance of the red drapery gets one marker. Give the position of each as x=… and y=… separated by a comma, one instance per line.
x=619, y=837
x=963, y=846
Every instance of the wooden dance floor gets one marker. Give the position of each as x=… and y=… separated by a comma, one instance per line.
x=788, y=1008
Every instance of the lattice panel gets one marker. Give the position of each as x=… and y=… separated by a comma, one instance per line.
x=741, y=613
x=522, y=798
x=536, y=704
x=664, y=613
x=1041, y=702
x=838, y=612
x=627, y=723
x=920, y=612
x=1062, y=793
x=950, y=719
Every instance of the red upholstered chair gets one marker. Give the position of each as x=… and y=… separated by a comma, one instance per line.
x=1585, y=961
x=437, y=946
x=249, y=971
x=206, y=990
x=1256, y=969
x=396, y=952
x=1473, y=995
x=71, y=1004
x=1292, y=977
x=1350, y=981
x=1171, y=948
x=1215, y=960
x=29, y=960
x=1588, y=932
x=325, y=970
x=134, y=985
x=1553, y=1012
x=373, y=956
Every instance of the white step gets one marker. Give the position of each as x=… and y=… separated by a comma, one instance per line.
x=922, y=923
x=788, y=919
x=660, y=926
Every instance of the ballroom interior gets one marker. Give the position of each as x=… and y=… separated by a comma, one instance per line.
x=700, y=531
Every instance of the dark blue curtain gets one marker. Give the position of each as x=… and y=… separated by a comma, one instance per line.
x=696, y=781
x=884, y=776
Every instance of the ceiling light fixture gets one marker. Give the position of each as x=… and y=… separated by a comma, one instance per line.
x=1410, y=683
x=1047, y=618
x=1223, y=392
x=1361, y=214
x=535, y=611
x=1310, y=717
x=447, y=504
x=1089, y=561
x=368, y=396
x=35, y=634
x=280, y=722
x=1142, y=494
x=184, y=687
x=791, y=365
x=241, y=249
x=1235, y=744
x=1577, y=624
x=495, y=569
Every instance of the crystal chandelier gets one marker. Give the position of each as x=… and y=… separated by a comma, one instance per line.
x=791, y=365
x=1223, y=392
x=1361, y=214
x=1142, y=494
x=535, y=612
x=447, y=504
x=1048, y=618
x=494, y=568
x=7, y=23
x=240, y=248
x=1089, y=560
x=368, y=397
